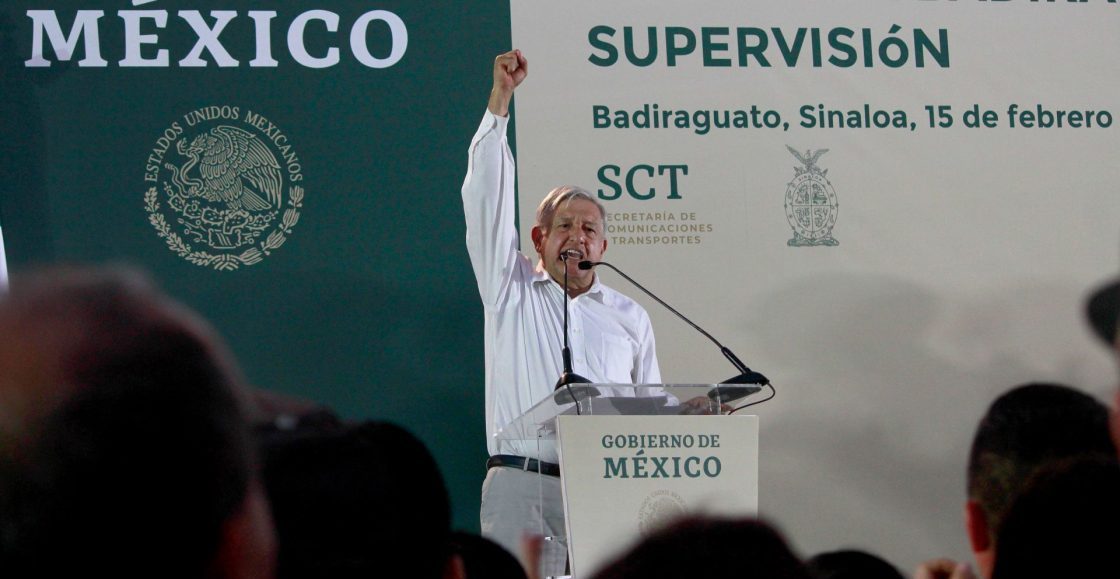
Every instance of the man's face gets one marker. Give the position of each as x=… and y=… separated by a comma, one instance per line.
x=576, y=225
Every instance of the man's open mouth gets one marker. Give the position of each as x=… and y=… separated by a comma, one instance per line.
x=571, y=254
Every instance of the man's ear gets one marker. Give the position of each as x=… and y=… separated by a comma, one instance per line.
x=604, y=245
x=538, y=237
x=976, y=523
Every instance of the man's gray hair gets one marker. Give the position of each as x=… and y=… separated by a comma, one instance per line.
x=560, y=196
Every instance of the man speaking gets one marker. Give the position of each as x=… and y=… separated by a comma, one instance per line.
x=611, y=336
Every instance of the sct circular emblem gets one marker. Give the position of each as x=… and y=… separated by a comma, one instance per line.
x=224, y=187
x=811, y=206
x=658, y=509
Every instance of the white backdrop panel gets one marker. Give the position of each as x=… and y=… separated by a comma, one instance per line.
x=962, y=254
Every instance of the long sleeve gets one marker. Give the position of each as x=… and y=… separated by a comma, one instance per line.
x=489, y=208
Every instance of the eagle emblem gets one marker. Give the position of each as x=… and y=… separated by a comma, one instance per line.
x=226, y=193
x=235, y=168
x=810, y=202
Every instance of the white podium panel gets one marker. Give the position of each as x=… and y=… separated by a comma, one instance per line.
x=626, y=476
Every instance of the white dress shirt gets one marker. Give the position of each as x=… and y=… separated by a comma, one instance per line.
x=611, y=335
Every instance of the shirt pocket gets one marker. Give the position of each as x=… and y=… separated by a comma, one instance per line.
x=616, y=357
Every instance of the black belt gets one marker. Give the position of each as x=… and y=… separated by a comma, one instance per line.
x=526, y=464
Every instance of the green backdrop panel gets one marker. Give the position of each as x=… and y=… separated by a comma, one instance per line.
x=368, y=303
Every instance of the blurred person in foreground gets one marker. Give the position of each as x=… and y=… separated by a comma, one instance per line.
x=354, y=500
x=1064, y=524
x=851, y=564
x=711, y=548
x=124, y=448
x=1102, y=309
x=1026, y=429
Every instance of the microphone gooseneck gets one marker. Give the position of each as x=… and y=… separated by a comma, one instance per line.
x=568, y=377
x=746, y=375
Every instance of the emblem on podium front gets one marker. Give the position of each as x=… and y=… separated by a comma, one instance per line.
x=659, y=509
x=811, y=205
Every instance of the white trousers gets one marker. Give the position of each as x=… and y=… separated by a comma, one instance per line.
x=516, y=502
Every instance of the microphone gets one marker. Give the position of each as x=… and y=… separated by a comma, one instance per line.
x=568, y=377
x=746, y=375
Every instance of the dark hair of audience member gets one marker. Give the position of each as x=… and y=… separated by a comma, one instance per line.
x=1064, y=524
x=1026, y=428
x=713, y=548
x=851, y=564
x=124, y=448
x=355, y=500
x=485, y=559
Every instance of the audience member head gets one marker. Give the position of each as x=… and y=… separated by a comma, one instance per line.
x=1025, y=429
x=351, y=501
x=713, y=548
x=1103, y=311
x=851, y=564
x=124, y=450
x=1064, y=524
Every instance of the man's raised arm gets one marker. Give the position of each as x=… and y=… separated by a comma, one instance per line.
x=488, y=195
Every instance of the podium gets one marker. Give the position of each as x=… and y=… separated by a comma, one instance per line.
x=634, y=457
